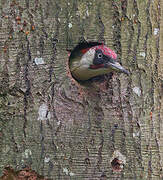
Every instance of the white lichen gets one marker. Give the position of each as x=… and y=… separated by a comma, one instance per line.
x=156, y=31
x=39, y=61
x=71, y=174
x=46, y=159
x=137, y=134
x=143, y=54
x=27, y=153
x=87, y=13
x=43, y=112
x=70, y=25
x=65, y=170
x=137, y=91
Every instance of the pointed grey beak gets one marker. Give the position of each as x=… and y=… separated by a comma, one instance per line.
x=117, y=67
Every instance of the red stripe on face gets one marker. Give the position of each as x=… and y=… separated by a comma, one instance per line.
x=96, y=66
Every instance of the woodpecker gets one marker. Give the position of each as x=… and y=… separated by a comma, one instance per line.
x=91, y=59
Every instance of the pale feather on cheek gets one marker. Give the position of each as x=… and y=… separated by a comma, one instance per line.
x=87, y=58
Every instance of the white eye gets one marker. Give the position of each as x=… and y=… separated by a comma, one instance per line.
x=100, y=55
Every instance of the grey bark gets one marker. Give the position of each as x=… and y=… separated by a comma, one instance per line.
x=61, y=129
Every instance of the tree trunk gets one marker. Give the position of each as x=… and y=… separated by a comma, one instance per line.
x=65, y=130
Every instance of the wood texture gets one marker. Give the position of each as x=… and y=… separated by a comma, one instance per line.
x=63, y=130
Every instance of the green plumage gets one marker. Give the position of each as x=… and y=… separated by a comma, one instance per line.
x=82, y=59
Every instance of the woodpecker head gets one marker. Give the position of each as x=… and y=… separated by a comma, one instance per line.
x=88, y=60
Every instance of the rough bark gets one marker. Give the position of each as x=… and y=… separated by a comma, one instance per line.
x=107, y=130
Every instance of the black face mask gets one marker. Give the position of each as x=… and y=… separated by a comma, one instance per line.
x=100, y=58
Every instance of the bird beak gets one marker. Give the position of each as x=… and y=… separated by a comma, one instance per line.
x=117, y=67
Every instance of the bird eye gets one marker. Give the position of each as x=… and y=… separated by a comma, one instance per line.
x=100, y=55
